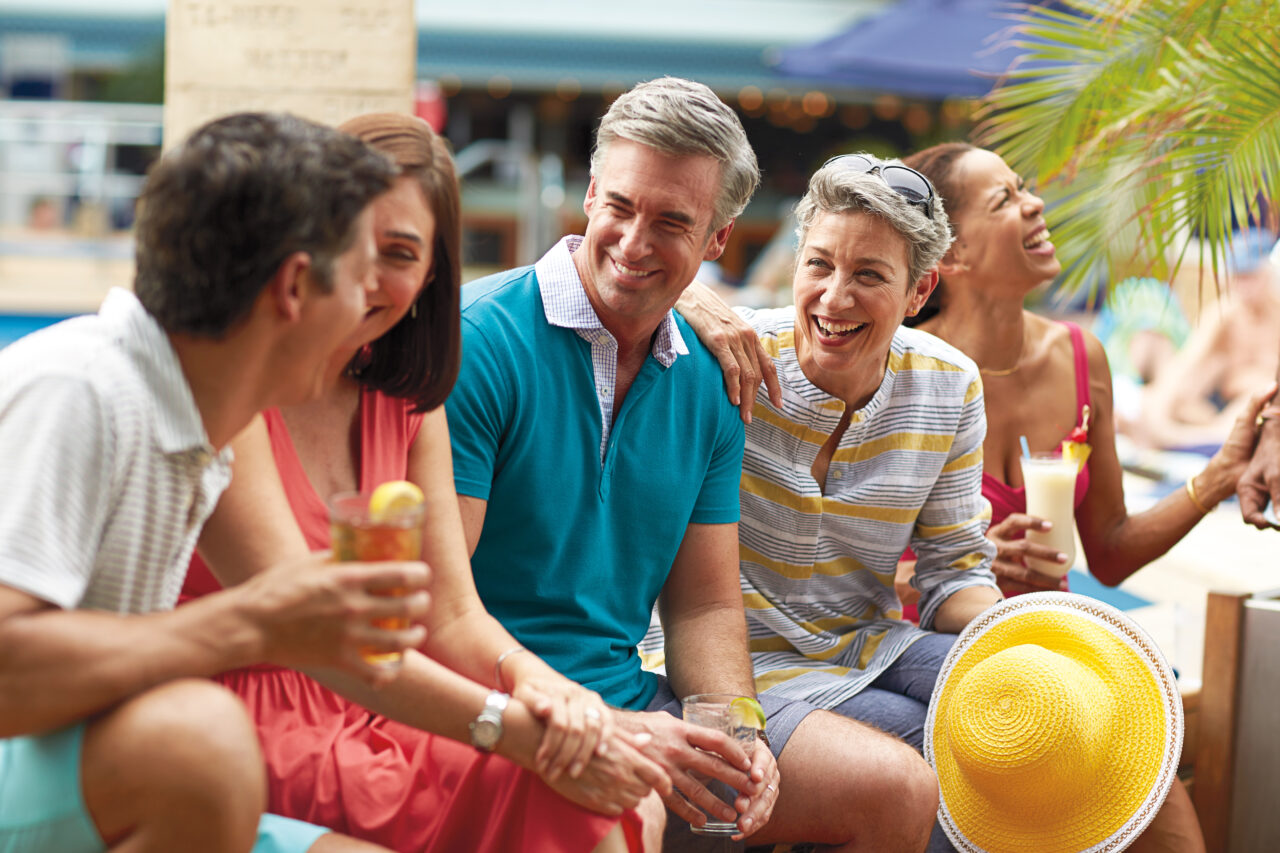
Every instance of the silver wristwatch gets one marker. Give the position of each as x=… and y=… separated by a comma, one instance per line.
x=486, y=729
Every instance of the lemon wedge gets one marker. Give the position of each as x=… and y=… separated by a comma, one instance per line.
x=393, y=497
x=747, y=712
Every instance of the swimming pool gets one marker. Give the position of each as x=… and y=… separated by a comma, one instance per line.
x=14, y=326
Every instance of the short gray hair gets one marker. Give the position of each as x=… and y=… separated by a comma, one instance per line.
x=680, y=117
x=836, y=188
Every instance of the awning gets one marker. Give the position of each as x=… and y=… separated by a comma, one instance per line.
x=924, y=48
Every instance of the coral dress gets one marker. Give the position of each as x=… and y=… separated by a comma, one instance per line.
x=333, y=763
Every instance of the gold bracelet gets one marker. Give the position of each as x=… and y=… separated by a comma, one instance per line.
x=1191, y=493
x=497, y=666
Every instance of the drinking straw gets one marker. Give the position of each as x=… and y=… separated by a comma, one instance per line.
x=1026, y=451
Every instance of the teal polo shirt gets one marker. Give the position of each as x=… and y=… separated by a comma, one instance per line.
x=574, y=551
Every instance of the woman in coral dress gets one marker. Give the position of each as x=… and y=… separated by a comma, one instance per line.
x=391, y=763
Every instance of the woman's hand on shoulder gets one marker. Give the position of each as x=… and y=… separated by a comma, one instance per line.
x=1012, y=550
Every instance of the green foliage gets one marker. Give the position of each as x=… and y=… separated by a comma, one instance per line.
x=141, y=82
x=1148, y=123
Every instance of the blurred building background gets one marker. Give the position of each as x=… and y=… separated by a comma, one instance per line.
x=517, y=87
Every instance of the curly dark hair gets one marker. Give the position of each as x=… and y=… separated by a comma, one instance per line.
x=219, y=214
x=418, y=358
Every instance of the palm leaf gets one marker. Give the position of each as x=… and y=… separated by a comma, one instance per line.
x=1150, y=125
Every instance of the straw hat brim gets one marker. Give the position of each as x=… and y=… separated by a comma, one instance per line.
x=1132, y=775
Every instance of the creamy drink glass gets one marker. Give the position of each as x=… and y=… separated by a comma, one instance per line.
x=1050, y=481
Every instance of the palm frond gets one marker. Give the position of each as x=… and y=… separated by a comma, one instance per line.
x=1152, y=125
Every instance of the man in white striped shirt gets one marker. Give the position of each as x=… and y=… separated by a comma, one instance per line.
x=255, y=251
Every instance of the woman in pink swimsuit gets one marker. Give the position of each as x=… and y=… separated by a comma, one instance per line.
x=1040, y=375
x=1038, y=378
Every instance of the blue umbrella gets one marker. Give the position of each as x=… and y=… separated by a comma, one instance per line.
x=926, y=48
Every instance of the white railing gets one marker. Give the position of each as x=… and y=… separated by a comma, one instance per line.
x=66, y=151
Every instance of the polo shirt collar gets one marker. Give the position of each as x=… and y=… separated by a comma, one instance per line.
x=565, y=302
x=179, y=427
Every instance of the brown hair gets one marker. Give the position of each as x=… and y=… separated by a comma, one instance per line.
x=938, y=164
x=418, y=358
x=220, y=213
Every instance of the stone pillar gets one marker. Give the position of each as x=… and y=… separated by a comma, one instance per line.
x=326, y=60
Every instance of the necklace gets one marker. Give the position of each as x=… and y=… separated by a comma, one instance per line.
x=1008, y=370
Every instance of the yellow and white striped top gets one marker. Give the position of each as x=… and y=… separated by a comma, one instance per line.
x=817, y=568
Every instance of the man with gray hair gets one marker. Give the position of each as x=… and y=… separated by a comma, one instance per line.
x=597, y=465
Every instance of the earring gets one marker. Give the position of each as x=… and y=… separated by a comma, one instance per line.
x=413, y=311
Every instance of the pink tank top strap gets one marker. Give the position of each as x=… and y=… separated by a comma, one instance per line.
x=387, y=431
x=1081, y=357
x=1082, y=369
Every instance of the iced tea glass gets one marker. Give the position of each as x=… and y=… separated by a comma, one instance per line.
x=393, y=535
x=714, y=711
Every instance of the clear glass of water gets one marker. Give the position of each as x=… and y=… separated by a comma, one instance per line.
x=713, y=711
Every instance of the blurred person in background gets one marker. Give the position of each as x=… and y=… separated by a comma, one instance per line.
x=1197, y=395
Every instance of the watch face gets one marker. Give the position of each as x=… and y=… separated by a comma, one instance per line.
x=485, y=734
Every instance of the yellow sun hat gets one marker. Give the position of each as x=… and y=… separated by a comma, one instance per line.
x=1055, y=726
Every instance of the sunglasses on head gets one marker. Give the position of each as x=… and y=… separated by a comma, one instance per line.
x=905, y=181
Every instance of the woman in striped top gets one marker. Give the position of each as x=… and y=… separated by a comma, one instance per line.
x=873, y=444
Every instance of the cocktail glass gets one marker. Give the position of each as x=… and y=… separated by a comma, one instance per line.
x=713, y=711
x=393, y=535
x=1050, y=481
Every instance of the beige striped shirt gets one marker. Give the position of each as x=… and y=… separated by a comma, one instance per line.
x=817, y=568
